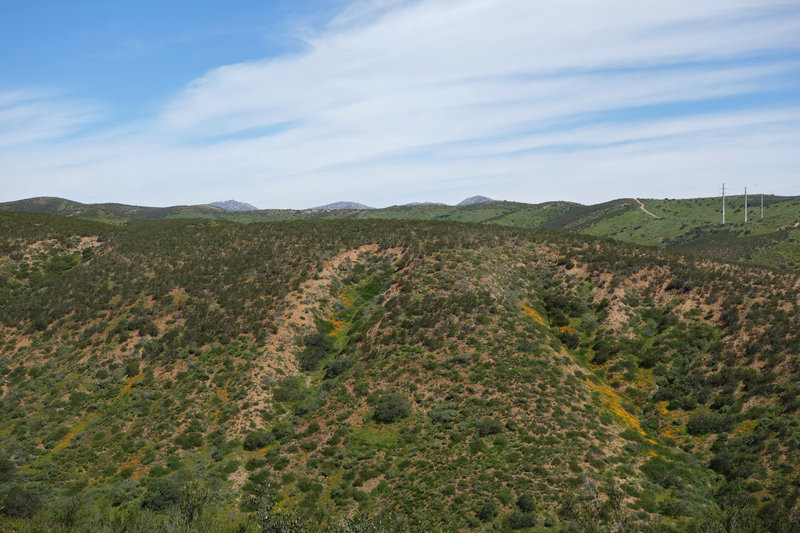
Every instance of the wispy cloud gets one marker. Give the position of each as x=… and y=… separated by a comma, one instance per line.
x=434, y=100
x=35, y=116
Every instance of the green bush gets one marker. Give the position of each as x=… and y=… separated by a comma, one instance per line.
x=7, y=469
x=189, y=440
x=317, y=346
x=162, y=492
x=489, y=426
x=526, y=502
x=254, y=463
x=519, y=520
x=662, y=472
x=289, y=389
x=486, y=510
x=443, y=413
x=230, y=467
x=708, y=422
x=257, y=439
x=338, y=366
x=19, y=502
x=131, y=367
x=391, y=407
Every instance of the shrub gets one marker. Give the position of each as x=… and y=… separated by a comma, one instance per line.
x=19, y=502
x=443, y=413
x=131, y=367
x=189, y=440
x=257, y=439
x=661, y=472
x=519, y=520
x=162, y=492
x=283, y=429
x=338, y=366
x=489, y=426
x=7, y=469
x=254, y=463
x=708, y=422
x=391, y=407
x=229, y=467
x=486, y=510
x=317, y=346
x=526, y=502
x=289, y=389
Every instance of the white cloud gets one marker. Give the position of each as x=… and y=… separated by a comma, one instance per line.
x=435, y=100
x=35, y=116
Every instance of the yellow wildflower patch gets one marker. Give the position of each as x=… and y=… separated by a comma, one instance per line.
x=337, y=327
x=135, y=463
x=613, y=402
x=78, y=428
x=82, y=425
x=644, y=380
x=746, y=426
x=666, y=417
x=129, y=384
x=63, y=444
x=531, y=312
x=567, y=329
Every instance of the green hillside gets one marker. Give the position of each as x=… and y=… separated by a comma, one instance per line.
x=688, y=225
x=203, y=375
x=694, y=225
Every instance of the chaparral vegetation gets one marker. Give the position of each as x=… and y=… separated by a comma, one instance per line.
x=390, y=375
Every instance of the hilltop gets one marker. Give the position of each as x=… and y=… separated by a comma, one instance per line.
x=472, y=200
x=233, y=205
x=527, y=379
x=342, y=205
x=689, y=225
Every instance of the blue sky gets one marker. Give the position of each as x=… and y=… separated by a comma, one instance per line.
x=133, y=56
x=300, y=103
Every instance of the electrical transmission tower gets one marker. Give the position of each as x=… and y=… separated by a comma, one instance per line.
x=745, y=205
x=723, y=204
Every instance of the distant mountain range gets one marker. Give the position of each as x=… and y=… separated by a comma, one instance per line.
x=687, y=225
x=343, y=205
x=472, y=200
x=233, y=205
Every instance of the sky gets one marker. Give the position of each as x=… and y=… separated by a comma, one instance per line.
x=298, y=103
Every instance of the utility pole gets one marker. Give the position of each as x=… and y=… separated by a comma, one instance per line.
x=723, y=204
x=745, y=205
x=762, y=206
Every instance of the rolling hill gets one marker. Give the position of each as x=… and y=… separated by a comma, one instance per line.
x=689, y=225
x=203, y=374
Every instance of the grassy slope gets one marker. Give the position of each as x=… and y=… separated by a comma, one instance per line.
x=688, y=225
x=534, y=364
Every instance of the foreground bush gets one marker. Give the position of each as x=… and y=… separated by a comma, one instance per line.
x=391, y=407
